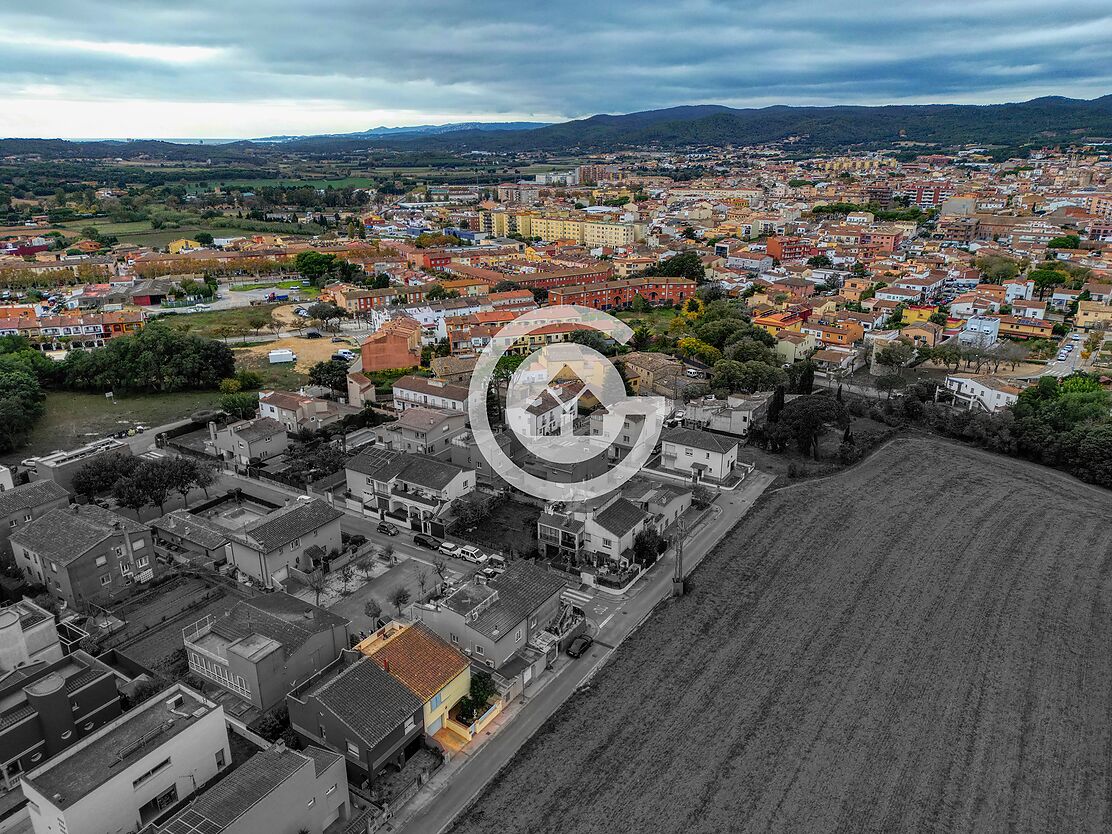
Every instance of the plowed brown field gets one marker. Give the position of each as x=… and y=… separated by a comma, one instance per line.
x=923, y=643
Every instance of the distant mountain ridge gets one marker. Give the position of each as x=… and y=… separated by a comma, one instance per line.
x=424, y=130
x=1041, y=121
x=1038, y=121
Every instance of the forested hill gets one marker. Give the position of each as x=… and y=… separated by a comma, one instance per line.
x=1041, y=121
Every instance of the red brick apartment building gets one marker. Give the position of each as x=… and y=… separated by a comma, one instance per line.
x=617, y=294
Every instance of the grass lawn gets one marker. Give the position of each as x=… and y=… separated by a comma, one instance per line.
x=265, y=285
x=284, y=377
x=72, y=419
x=657, y=319
x=210, y=323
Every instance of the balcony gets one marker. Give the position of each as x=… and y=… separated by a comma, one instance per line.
x=218, y=674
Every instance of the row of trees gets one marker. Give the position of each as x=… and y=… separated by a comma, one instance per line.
x=136, y=483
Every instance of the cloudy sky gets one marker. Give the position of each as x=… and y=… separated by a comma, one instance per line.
x=240, y=68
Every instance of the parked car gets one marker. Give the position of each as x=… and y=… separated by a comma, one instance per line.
x=450, y=549
x=472, y=554
x=425, y=540
x=387, y=528
x=496, y=562
x=487, y=574
x=579, y=646
x=1076, y=337
x=1062, y=356
x=337, y=340
x=312, y=334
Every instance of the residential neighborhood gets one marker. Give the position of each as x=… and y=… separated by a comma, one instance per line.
x=727, y=464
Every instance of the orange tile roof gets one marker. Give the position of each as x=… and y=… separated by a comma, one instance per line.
x=423, y=662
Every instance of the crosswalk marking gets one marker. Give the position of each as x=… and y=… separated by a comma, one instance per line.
x=576, y=597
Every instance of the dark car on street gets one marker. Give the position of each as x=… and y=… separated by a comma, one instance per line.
x=387, y=528
x=431, y=542
x=578, y=647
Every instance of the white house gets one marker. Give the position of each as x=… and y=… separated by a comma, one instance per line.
x=412, y=489
x=268, y=546
x=132, y=769
x=980, y=331
x=699, y=454
x=988, y=392
x=412, y=391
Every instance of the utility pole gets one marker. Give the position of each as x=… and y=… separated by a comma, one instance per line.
x=677, y=577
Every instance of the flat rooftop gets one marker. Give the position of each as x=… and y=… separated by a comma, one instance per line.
x=98, y=758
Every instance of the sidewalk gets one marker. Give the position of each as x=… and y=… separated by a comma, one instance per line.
x=444, y=776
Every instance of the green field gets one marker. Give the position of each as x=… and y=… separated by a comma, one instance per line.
x=282, y=377
x=141, y=233
x=657, y=319
x=211, y=323
x=341, y=182
x=73, y=419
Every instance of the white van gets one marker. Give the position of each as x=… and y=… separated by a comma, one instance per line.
x=282, y=355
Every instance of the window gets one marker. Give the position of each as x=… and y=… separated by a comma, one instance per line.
x=517, y=636
x=67, y=734
x=53, y=567
x=88, y=726
x=27, y=517
x=455, y=639
x=106, y=579
x=311, y=802
x=330, y=791
x=533, y=622
x=154, y=771
x=138, y=544
x=125, y=567
x=323, y=734
x=142, y=562
x=353, y=749
x=12, y=523
x=220, y=761
x=437, y=699
x=687, y=452
x=479, y=649
x=606, y=542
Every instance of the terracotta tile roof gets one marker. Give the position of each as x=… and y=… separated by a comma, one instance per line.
x=421, y=661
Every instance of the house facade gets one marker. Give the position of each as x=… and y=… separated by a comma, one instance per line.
x=698, y=454
x=84, y=553
x=357, y=709
x=262, y=646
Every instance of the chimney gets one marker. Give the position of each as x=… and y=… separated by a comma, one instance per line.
x=386, y=664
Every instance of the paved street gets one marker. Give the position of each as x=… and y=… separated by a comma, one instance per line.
x=1072, y=362
x=429, y=814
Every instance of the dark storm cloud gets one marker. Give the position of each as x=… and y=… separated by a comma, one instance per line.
x=557, y=58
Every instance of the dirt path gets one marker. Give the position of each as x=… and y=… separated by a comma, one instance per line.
x=918, y=645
